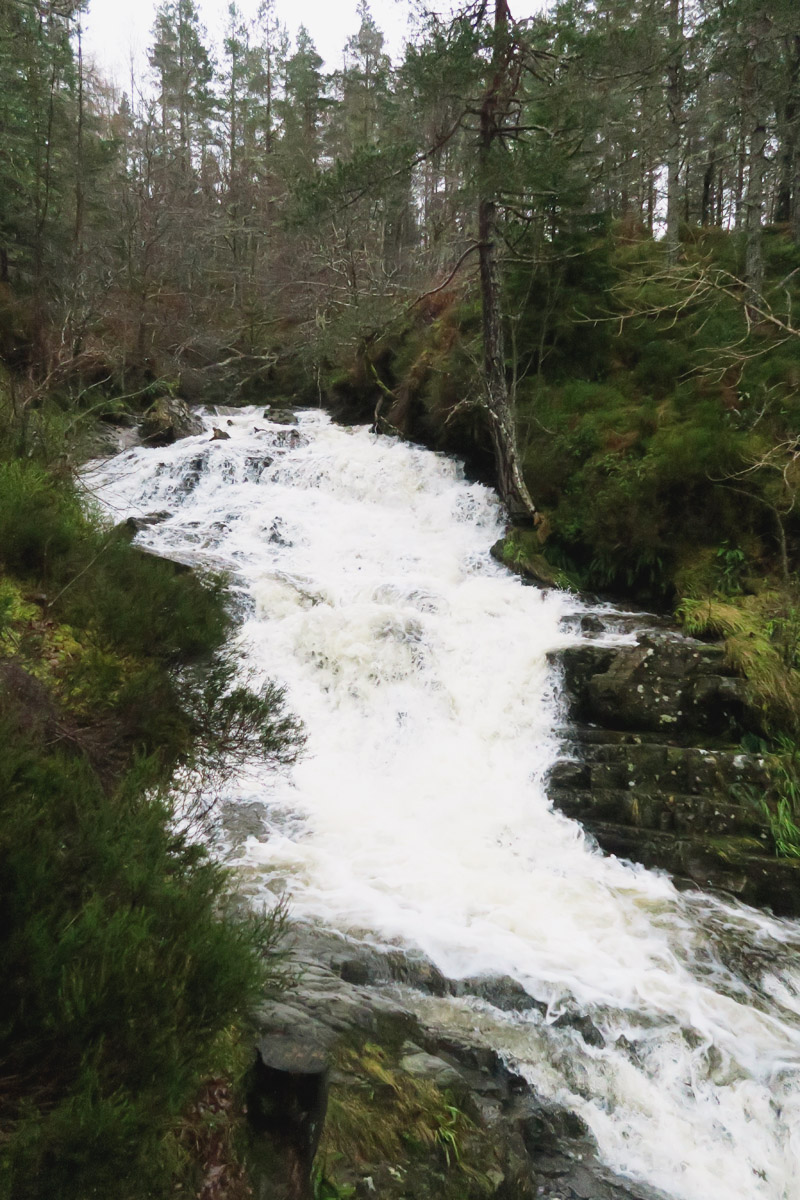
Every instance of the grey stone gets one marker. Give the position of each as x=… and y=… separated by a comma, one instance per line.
x=168, y=420
x=137, y=524
x=592, y=624
x=281, y=416
x=429, y=1066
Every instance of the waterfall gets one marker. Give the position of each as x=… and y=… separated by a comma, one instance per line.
x=418, y=814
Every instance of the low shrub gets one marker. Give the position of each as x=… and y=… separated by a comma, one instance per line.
x=125, y=968
x=129, y=971
x=93, y=576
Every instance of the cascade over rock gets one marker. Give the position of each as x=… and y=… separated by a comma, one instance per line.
x=320, y=1042
x=662, y=1025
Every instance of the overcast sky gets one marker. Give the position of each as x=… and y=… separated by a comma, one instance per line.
x=116, y=29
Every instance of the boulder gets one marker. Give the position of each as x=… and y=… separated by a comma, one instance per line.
x=280, y=416
x=137, y=524
x=520, y=550
x=168, y=420
x=432, y=1068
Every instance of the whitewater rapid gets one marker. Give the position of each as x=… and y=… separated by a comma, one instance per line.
x=418, y=814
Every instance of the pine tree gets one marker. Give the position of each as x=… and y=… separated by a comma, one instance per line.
x=364, y=88
x=301, y=107
x=183, y=72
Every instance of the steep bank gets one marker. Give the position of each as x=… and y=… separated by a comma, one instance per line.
x=128, y=975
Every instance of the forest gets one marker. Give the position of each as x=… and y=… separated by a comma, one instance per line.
x=565, y=249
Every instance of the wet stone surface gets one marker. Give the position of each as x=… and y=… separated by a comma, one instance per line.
x=344, y=1039
x=653, y=768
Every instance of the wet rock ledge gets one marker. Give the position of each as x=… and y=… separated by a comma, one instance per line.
x=653, y=766
x=352, y=1094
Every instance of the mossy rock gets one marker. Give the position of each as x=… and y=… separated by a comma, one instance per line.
x=520, y=550
x=408, y=1128
x=167, y=420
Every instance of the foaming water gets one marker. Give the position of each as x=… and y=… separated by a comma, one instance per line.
x=418, y=813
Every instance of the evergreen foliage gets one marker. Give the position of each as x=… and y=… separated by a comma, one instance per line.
x=124, y=975
x=130, y=972
x=259, y=225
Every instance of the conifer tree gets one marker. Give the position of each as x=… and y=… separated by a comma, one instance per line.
x=363, y=86
x=301, y=107
x=183, y=72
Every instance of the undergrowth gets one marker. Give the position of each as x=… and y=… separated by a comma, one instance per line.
x=381, y=1118
x=129, y=971
x=125, y=970
x=762, y=640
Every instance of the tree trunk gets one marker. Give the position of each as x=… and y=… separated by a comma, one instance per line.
x=789, y=132
x=674, y=123
x=756, y=110
x=707, y=203
x=510, y=482
x=738, y=201
x=79, y=167
x=754, y=205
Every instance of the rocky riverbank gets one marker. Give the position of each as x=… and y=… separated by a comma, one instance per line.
x=654, y=769
x=384, y=1099
x=351, y=1087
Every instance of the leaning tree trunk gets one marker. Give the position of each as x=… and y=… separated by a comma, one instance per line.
x=510, y=481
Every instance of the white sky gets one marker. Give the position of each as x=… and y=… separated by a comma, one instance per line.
x=117, y=29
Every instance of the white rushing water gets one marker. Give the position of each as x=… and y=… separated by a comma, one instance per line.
x=418, y=815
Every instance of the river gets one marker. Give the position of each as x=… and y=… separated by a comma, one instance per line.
x=418, y=813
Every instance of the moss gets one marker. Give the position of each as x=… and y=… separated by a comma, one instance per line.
x=521, y=551
x=762, y=640
x=409, y=1135
x=77, y=669
x=15, y=610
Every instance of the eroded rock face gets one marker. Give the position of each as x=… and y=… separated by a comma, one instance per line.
x=662, y=684
x=654, y=770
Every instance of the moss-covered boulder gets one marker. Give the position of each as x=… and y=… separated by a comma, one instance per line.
x=168, y=420
x=521, y=551
x=664, y=683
